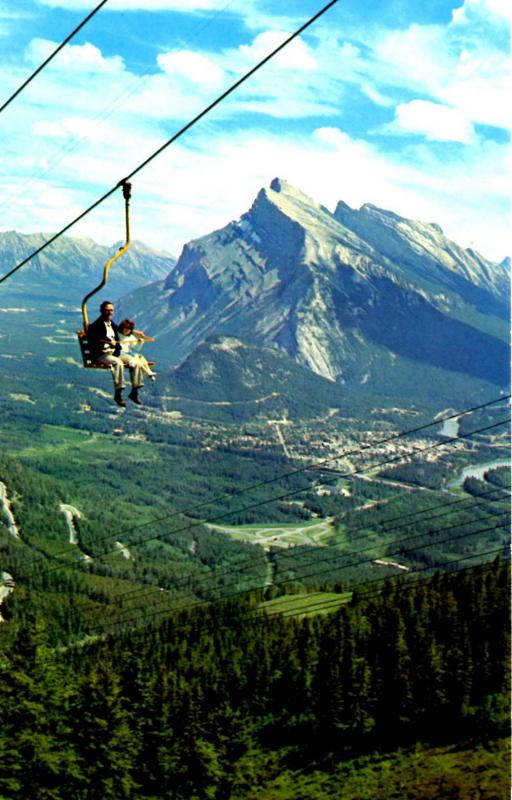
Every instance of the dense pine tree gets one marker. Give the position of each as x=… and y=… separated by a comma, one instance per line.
x=199, y=706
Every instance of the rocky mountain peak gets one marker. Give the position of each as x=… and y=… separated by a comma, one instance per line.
x=280, y=185
x=289, y=194
x=422, y=247
x=371, y=214
x=346, y=294
x=305, y=228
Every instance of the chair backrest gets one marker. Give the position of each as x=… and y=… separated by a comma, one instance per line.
x=85, y=350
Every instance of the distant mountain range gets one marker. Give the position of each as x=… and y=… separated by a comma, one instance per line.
x=358, y=297
x=362, y=299
x=75, y=266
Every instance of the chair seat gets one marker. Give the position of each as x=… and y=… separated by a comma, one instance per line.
x=87, y=359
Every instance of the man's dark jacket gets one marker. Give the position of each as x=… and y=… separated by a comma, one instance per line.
x=97, y=331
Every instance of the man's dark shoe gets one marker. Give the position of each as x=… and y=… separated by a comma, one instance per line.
x=118, y=397
x=134, y=397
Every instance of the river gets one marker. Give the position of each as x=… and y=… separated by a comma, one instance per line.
x=478, y=470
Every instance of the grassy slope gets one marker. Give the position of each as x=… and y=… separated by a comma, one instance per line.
x=454, y=772
x=307, y=604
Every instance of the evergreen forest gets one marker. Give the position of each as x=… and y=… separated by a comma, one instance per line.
x=301, y=598
x=401, y=693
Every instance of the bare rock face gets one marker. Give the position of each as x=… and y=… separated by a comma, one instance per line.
x=423, y=248
x=341, y=293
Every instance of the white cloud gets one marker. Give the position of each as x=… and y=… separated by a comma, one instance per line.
x=10, y=13
x=501, y=8
x=480, y=88
x=462, y=65
x=52, y=129
x=292, y=85
x=77, y=58
x=194, y=67
x=436, y=122
x=200, y=185
x=483, y=9
x=286, y=87
x=70, y=128
x=413, y=57
x=376, y=97
x=103, y=120
x=11, y=20
x=185, y=81
x=297, y=55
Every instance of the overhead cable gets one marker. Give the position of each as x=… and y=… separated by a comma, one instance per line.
x=190, y=526
x=248, y=562
x=190, y=606
x=317, y=572
x=99, y=118
x=147, y=593
x=173, y=138
x=217, y=517
x=405, y=583
x=52, y=55
x=261, y=615
x=189, y=510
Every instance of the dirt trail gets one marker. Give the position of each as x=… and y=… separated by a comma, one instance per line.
x=5, y=507
x=71, y=514
x=123, y=550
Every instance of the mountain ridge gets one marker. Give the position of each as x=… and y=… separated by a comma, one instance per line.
x=334, y=290
x=79, y=261
x=359, y=297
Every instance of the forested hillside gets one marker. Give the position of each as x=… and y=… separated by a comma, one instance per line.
x=216, y=702
x=263, y=553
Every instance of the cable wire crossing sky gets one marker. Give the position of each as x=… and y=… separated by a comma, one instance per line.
x=401, y=104
x=52, y=55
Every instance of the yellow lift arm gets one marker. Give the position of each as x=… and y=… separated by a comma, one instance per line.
x=82, y=335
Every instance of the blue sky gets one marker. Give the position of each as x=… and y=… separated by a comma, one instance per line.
x=399, y=103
